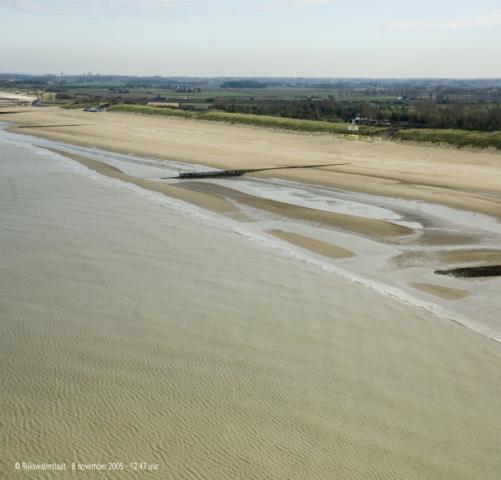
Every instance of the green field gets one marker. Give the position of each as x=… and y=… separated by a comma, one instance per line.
x=101, y=91
x=277, y=93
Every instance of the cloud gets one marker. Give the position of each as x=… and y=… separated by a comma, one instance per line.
x=89, y=7
x=481, y=21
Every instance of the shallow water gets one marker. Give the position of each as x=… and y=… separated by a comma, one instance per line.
x=137, y=328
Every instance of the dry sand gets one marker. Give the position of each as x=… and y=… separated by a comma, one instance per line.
x=9, y=98
x=461, y=179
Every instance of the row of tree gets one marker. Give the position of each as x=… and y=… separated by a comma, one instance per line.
x=465, y=116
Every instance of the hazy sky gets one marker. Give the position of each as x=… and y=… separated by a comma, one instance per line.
x=330, y=38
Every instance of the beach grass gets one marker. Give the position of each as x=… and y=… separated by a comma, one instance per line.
x=285, y=123
x=456, y=138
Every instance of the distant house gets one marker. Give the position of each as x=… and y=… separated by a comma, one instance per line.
x=37, y=102
x=370, y=121
x=195, y=107
x=181, y=106
x=92, y=109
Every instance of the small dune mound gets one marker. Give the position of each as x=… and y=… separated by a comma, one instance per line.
x=471, y=272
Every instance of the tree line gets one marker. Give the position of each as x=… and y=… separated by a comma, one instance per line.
x=425, y=114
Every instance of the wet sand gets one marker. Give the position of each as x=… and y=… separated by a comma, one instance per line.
x=440, y=291
x=200, y=199
x=479, y=256
x=214, y=197
x=312, y=244
x=370, y=227
x=462, y=179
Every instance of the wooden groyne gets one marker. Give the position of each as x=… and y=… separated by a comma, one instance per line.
x=239, y=173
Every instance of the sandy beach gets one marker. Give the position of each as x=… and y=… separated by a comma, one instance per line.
x=461, y=179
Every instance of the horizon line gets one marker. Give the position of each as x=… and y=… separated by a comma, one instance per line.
x=301, y=77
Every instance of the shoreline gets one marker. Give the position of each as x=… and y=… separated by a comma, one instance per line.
x=220, y=200
x=456, y=178
x=217, y=199
x=209, y=202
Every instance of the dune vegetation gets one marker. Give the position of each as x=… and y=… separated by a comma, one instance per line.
x=247, y=119
x=456, y=138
